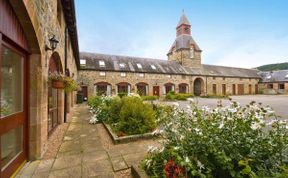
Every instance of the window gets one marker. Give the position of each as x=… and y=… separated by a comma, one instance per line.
x=168, y=76
x=183, y=76
x=270, y=86
x=139, y=66
x=82, y=62
x=102, y=74
x=223, y=78
x=153, y=67
x=122, y=65
x=141, y=75
x=101, y=63
x=123, y=74
x=191, y=52
x=241, y=79
x=214, y=78
x=281, y=86
x=268, y=77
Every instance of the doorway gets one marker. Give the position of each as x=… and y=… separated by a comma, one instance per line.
x=198, y=86
x=240, y=89
x=156, y=90
x=13, y=109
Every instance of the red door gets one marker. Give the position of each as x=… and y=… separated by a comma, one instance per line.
x=156, y=91
x=13, y=109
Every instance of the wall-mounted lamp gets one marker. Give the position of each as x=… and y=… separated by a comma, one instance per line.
x=53, y=44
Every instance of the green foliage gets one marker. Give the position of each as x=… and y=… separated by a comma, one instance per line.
x=273, y=67
x=127, y=115
x=180, y=96
x=149, y=98
x=214, y=96
x=230, y=141
x=70, y=85
x=121, y=95
x=136, y=117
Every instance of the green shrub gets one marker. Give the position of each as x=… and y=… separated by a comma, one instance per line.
x=94, y=102
x=180, y=96
x=136, y=117
x=170, y=96
x=114, y=109
x=149, y=98
x=230, y=141
x=121, y=95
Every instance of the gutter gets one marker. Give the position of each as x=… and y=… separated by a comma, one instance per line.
x=65, y=67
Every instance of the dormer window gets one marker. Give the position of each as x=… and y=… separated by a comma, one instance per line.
x=286, y=76
x=192, y=52
x=122, y=65
x=268, y=77
x=101, y=63
x=139, y=66
x=82, y=62
x=153, y=67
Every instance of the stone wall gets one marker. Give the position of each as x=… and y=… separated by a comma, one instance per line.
x=41, y=20
x=89, y=78
x=183, y=57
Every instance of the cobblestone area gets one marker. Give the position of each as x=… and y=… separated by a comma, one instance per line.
x=87, y=151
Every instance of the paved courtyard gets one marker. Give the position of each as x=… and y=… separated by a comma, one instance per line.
x=278, y=102
x=87, y=152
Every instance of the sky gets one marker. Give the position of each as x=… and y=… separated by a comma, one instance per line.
x=237, y=33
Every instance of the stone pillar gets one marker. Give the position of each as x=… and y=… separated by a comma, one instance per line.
x=95, y=90
x=164, y=90
x=129, y=89
x=116, y=90
x=108, y=90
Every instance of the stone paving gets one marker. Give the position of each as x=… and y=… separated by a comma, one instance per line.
x=82, y=153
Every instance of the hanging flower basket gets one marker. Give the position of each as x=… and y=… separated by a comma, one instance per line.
x=58, y=84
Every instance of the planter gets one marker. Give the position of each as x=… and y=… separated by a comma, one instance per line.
x=128, y=138
x=58, y=84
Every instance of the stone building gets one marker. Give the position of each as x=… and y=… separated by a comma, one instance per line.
x=30, y=108
x=183, y=72
x=274, y=82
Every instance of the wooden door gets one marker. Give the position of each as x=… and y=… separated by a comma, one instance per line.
x=84, y=90
x=156, y=90
x=250, y=89
x=224, y=89
x=256, y=89
x=13, y=109
x=240, y=89
x=234, y=89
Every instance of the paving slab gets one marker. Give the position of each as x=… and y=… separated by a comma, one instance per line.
x=118, y=163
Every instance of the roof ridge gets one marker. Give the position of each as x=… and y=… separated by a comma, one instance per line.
x=229, y=67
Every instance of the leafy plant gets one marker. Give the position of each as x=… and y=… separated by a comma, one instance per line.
x=56, y=76
x=70, y=85
x=136, y=117
x=230, y=141
x=149, y=98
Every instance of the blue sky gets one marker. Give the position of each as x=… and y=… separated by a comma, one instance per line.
x=239, y=33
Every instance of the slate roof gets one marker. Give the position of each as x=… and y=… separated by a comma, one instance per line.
x=184, y=41
x=274, y=76
x=112, y=63
x=183, y=20
x=70, y=18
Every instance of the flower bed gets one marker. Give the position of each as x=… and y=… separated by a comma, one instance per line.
x=231, y=141
x=128, y=115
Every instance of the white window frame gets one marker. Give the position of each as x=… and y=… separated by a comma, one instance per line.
x=102, y=74
x=141, y=75
x=139, y=66
x=169, y=76
x=153, y=67
x=123, y=74
x=82, y=62
x=102, y=64
x=122, y=65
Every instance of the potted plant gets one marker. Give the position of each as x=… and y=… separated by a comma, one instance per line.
x=70, y=85
x=57, y=80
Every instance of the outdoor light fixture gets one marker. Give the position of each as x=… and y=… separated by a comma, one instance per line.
x=53, y=44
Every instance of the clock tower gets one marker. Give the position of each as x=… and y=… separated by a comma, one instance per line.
x=184, y=49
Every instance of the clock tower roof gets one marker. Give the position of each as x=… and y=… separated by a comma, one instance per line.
x=183, y=20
